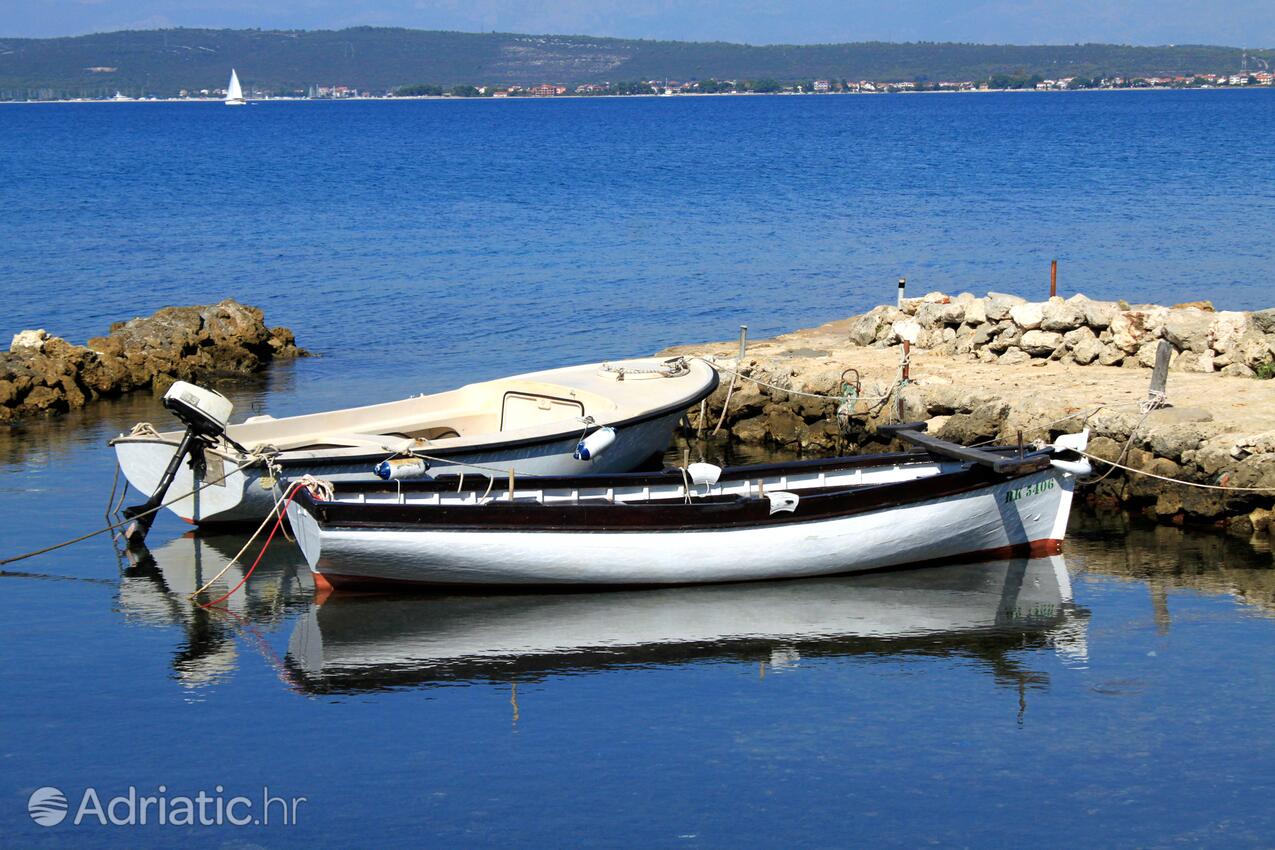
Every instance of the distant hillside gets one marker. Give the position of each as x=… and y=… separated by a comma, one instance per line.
x=160, y=62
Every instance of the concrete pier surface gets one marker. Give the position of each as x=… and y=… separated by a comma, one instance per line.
x=984, y=369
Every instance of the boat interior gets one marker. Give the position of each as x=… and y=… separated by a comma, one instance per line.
x=699, y=485
x=538, y=404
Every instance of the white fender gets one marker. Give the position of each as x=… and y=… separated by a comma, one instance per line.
x=400, y=467
x=595, y=444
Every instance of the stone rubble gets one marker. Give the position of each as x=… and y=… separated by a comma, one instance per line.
x=1078, y=330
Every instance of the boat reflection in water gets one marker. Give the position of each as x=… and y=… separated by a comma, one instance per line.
x=155, y=590
x=987, y=611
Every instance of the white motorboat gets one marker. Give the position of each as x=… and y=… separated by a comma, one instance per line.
x=601, y=417
x=700, y=524
x=981, y=610
x=234, y=92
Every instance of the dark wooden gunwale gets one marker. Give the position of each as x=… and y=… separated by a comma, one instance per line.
x=669, y=515
x=477, y=482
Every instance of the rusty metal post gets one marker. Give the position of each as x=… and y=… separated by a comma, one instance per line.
x=907, y=360
x=1053, y=278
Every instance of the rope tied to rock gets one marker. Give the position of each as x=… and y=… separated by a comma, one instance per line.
x=1126, y=468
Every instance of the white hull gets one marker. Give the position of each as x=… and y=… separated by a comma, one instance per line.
x=1025, y=513
x=248, y=494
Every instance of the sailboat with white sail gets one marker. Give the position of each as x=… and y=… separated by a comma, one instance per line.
x=234, y=93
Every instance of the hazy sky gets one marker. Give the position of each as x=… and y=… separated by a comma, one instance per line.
x=1233, y=22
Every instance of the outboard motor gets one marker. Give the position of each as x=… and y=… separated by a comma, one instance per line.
x=205, y=413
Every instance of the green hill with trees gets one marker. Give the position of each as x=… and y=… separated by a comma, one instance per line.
x=162, y=62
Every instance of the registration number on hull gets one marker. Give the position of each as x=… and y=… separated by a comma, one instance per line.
x=1030, y=490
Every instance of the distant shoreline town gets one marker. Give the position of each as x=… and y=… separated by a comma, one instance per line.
x=648, y=88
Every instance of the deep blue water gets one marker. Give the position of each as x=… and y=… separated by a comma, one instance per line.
x=470, y=238
x=420, y=245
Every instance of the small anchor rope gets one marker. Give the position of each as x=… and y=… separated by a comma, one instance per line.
x=115, y=525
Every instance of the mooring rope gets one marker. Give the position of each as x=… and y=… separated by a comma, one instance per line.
x=274, y=512
x=1116, y=465
x=125, y=522
x=292, y=491
x=823, y=396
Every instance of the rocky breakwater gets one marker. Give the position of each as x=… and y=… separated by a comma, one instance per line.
x=986, y=369
x=43, y=374
x=1009, y=329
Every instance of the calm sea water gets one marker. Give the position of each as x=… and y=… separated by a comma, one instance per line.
x=1118, y=698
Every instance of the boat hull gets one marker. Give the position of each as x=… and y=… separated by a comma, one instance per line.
x=964, y=518
x=247, y=495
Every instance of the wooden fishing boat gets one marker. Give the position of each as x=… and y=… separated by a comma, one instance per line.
x=982, y=611
x=700, y=524
x=600, y=417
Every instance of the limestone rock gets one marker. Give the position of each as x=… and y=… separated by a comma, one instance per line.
x=1128, y=330
x=1147, y=353
x=1114, y=424
x=1238, y=370
x=1250, y=349
x=1174, y=441
x=1014, y=356
x=1061, y=316
x=1111, y=355
x=1259, y=443
x=1189, y=361
x=1028, y=315
x=751, y=431
x=999, y=304
x=976, y=312
x=930, y=314
x=954, y=313
x=1264, y=320
x=1087, y=350
x=1188, y=330
x=1040, y=343
x=912, y=404
x=1099, y=314
x=1105, y=448
x=983, y=423
x=982, y=335
x=48, y=374
x=863, y=330
x=1177, y=416
x=783, y=426
x=1008, y=336
x=1261, y=520
x=28, y=340
x=1227, y=327
x=1255, y=471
